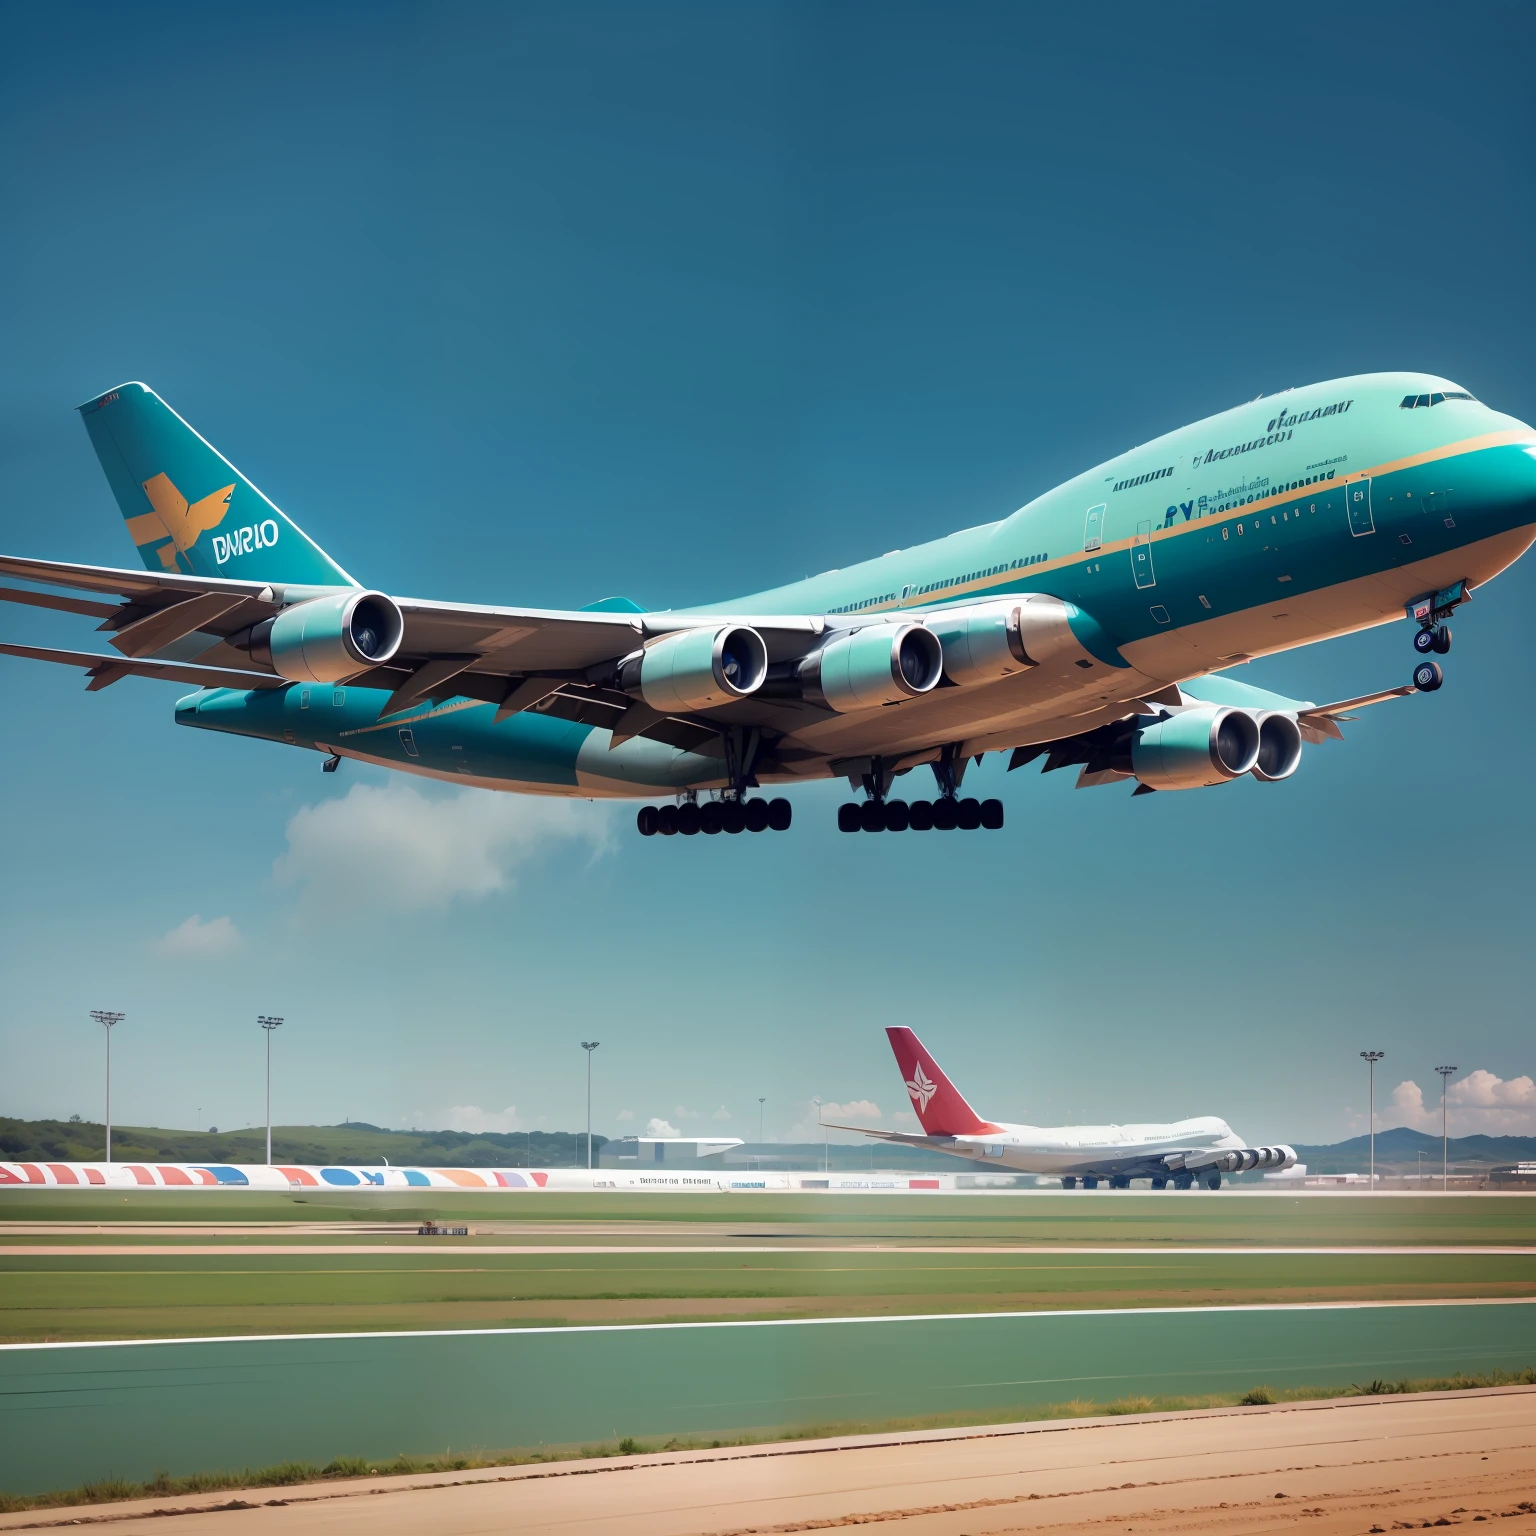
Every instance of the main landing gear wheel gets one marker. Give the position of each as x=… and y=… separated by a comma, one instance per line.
x=1213, y=1181
x=872, y=816
x=1183, y=1180
x=945, y=815
x=1069, y=1182
x=1427, y=676
x=1442, y=640
x=715, y=816
x=850, y=817
x=1120, y=1181
x=898, y=816
x=1159, y=1183
x=920, y=819
x=1089, y=1182
x=1424, y=641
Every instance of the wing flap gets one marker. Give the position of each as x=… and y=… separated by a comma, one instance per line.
x=106, y=670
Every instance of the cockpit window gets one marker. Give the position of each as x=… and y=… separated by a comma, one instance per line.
x=1412, y=402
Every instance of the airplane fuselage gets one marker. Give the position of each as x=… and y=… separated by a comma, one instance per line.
x=1103, y=1150
x=1289, y=520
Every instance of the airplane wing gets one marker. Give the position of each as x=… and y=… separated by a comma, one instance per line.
x=940, y=1142
x=105, y=670
x=1320, y=721
x=515, y=658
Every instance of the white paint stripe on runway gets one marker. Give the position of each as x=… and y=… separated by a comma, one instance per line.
x=781, y=1322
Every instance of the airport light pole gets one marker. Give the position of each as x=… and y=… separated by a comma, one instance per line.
x=269, y=1022
x=589, y=1046
x=761, y=1101
x=108, y=1019
x=826, y=1150
x=1371, y=1058
x=1445, y=1138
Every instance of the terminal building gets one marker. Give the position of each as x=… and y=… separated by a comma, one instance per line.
x=637, y=1152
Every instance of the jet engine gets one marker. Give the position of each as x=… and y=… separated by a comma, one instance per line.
x=986, y=641
x=1195, y=748
x=879, y=664
x=327, y=639
x=1255, y=1157
x=1279, y=748
x=697, y=669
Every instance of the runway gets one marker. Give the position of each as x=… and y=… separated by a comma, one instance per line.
x=1337, y=1468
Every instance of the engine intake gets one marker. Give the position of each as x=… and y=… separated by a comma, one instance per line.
x=1195, y=748
x=328, y=639
x=1279, y=748
x=879, y=664
x=697, y=669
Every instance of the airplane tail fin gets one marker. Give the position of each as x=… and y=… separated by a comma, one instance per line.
x=187, y=507
x=941, y=1107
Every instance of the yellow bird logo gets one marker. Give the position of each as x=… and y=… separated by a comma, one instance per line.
x=176, y=519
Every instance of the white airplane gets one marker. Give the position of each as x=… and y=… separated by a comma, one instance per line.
x=1180, y=1153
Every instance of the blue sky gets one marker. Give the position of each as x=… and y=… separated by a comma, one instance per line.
x=538, y=304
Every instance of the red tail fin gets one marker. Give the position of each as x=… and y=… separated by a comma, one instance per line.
x=940, y=1106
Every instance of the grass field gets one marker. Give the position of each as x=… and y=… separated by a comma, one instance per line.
x=95, y=1289
x=102, y=1296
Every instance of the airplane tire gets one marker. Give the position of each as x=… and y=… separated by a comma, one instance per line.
x=1119, y=1182
x=1427, y=676
x=1442, y=639
x=1089, y=1182
x=992, y=815
x=1159, y=1183
x=711, y=817
x=733, y=817
x=945, y=817
x=920, y=816
x=1069, y=1181
x=1424, y=641
x=645, y=821
x=850, y=817
x=1183, y=1180
x=666, y=820
x=872, y=816
x=897, y=816
x=1213, y=1181
x=780, y=814
x=688, y=819
x=757, y=815
x=969, y=812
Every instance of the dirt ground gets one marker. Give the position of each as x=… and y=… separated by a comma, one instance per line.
x=1353, y=1465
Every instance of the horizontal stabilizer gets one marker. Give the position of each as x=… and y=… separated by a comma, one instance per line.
x=105, y=670
x=941, y=1143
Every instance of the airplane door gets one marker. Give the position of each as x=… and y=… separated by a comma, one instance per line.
x=1093, y=528
x=1357, y=497
x=1141, y=555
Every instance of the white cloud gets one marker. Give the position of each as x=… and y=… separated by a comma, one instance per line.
x=394, y=847
x=721, y=1114
x=656, y=1126
x=218, y=936
x=1480, y=1102
x=809, y=1126
x=904, y=1117
x=626, y=1114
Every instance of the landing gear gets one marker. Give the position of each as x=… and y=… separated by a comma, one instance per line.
x=1434, y=637
x=1213, y=1180
x=1069, y=1181
x=1119, y=1181
x=1089, y=1182
x=1427, y=676
x=1159, y=1183
x=1183, y=1180
x=714, y=816
x=331, y=764
x=920, y=816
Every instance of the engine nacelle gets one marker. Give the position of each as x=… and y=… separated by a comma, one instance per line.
x=329, y=639
x=981, y=644
x=1249, y=1158
x=879, y=664
x=1195, y=748
x=697, y=669
x=1279, y=748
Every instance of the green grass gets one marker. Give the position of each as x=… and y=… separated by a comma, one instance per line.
x=1084, y=1218
x=290, y=1474
x=106, y=1296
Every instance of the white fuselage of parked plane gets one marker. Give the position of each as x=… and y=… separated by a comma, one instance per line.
x=1093, y=1149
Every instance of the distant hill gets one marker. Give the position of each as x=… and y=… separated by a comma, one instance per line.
x=84, y=1141
x=1398, y=1149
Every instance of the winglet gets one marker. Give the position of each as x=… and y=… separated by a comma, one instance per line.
x=941, y=1107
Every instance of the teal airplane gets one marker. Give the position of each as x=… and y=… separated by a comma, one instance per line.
x=1089, y=628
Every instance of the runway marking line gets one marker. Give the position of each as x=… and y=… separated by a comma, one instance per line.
x=780, y=1322
x=144, y=1250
